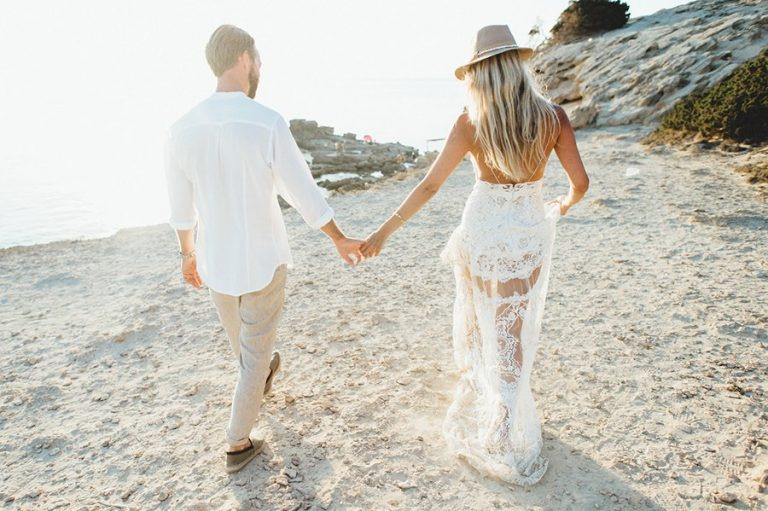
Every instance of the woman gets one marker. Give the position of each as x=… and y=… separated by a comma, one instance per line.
x=500, y=253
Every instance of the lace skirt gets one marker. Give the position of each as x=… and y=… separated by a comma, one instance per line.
x=501, y=254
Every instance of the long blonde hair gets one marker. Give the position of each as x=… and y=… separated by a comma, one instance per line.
x=514, y=122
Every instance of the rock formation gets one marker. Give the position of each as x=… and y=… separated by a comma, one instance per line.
x=330, y=154
x=635, y=74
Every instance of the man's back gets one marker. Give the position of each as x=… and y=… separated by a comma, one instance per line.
x=228, y=124
x=227, y=159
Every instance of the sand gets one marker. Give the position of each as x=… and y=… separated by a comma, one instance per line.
x=650, y=380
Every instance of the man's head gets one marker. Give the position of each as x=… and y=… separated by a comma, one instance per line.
x=233, y=58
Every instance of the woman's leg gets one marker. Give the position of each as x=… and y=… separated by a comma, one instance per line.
x=514, y=296
x=512, y=299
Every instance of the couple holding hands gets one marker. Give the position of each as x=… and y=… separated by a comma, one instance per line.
x=228, y=159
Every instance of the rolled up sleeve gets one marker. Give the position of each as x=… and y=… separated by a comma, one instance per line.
x=294, y=180
x=180, y=194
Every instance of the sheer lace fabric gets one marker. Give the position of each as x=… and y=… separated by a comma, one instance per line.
x=501, y=254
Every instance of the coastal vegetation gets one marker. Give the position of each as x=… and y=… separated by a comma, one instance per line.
x=735, y=109
x=731, y=115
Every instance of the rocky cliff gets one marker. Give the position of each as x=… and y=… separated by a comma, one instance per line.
x=635, y=74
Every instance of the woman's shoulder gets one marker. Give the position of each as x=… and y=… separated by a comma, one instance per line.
x=464, y=123
x=563, y=123
x=562, y=115
x=462, y=131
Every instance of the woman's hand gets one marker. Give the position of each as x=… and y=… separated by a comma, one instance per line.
x=373, y=244
x=562, y=203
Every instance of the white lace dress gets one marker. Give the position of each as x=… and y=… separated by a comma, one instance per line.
x=501, y=253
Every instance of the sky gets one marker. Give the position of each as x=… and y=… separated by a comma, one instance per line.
x=70, y=62
x=89, y=87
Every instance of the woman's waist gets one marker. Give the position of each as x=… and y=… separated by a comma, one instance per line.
x=507, y=194
x=521, y=206
x=509, y=188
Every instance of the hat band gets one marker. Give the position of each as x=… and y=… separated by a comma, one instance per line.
x=504, y=46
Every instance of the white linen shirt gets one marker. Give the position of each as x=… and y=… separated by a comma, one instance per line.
x=225, y=162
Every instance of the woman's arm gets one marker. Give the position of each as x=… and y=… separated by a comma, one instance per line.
x=456, y=147
x=569, y=157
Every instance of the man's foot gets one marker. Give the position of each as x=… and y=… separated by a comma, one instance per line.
x=274, y=367
x=236, y=460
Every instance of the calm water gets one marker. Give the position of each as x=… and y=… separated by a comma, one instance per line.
x=86, y=176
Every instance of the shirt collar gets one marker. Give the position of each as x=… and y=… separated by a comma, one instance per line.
x=232, y=94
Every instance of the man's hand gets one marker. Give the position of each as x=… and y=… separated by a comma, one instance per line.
x=349, y=250
x=189, y=271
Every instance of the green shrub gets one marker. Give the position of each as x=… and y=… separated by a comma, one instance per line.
x=586, y=17
x=736, y=108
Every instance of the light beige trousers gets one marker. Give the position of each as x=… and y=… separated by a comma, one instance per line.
x=250, y=321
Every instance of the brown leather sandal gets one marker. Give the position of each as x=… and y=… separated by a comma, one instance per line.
x=236, y=460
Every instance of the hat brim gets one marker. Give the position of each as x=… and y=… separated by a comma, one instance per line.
x=524, y=53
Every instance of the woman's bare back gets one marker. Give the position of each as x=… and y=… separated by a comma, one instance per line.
x=486, y=173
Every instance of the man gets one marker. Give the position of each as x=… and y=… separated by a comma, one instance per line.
x=226, y=161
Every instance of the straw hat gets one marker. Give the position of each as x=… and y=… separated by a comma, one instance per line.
x=490, y=41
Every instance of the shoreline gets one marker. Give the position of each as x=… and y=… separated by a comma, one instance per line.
x=330, y=184
x=116, y=232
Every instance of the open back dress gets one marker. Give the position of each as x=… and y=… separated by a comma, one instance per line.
x=501, y=254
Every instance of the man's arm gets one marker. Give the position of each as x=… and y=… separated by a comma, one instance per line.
x=294, y=180
x=180, y=196
x=183, y=214
x=296, y=185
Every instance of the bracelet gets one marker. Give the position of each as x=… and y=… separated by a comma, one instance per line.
x=398, y=215
x=187, y=256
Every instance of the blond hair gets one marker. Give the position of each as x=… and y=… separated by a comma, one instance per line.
x=225, y=46
x=514, y=123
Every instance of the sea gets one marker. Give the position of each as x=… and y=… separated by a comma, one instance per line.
x=86, y=171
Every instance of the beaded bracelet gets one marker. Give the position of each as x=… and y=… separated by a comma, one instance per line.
x=187, y=256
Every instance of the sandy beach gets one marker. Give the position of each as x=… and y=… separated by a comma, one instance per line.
x=650, y=380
